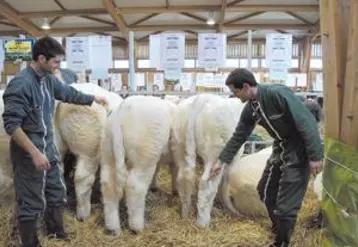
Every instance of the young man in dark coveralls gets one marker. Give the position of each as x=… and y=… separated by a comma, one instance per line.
x=29, y=101
x=297, y=147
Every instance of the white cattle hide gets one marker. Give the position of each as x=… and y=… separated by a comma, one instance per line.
x=202, y=126
x=241, y=183
x=137, y=136
x=79, y=129
x=6, y=174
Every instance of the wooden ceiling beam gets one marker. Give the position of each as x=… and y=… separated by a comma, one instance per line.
x=174, y=9
x=7, y=24
x=162, y=28
x=299, y=18
x=147, y=36
x=205, y=8
x=97, y=20
x=195, y=17
x=221, y=16
x=225, y=27
x=59, y=4
x=62, y=13
x=11, y=14
x=235, y=2
x=230, y=37
x=243, y=17
x=146, y=18
x=111, y=8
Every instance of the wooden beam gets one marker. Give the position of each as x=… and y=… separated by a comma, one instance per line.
x=7, y=24
x=59, y=4
x=195, y=17
x=349, y=130
x=147, y=36
x=236, y=35
x=173, y=9
x=54, y=20
x=144, y=19
x=191, y=32
x=205, y=8
x=97, y=20
x=334, y=58
x=233, y=3
x=62, y=13
x=222, y=16
x=117, y=17
x=243, y=17
x=226, y=27
x=11, y=14
x=299, y=18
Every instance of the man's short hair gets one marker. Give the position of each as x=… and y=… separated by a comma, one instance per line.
x=239, y=76
x=48, y=47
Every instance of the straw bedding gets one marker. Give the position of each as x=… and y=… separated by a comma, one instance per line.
x=165, y=227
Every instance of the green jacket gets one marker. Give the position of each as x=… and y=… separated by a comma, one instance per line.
x=284, y=117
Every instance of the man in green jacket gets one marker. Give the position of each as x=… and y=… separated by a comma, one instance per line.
x=297, y=147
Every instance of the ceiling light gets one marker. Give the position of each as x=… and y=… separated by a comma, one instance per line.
x=45, y=24
x=210, y=22
x=211, y=19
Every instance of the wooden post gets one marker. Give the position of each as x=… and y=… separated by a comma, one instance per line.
x=349, y=124
x=334, y=38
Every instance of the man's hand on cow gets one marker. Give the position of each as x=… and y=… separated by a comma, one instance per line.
x=101, y=100
x=316, y=167
x=215, y=170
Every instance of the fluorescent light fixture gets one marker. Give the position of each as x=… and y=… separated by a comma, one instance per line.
x=45, y=24
x=211, y=19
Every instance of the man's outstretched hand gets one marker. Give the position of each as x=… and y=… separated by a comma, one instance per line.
x=215, y=170
x=101, y=100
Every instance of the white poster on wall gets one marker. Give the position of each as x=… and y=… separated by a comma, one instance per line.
x=100, y=52
x=77, y=53
x=172, y=54
x=211, y=50
x=278, y=55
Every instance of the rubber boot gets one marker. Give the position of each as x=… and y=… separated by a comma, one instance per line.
x=284, y=231
x=54, y=223
x=28, y=233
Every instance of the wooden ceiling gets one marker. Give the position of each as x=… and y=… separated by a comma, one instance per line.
x=143, y=17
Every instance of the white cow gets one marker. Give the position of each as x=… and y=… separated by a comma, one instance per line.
x=241, y=180
x=202, y=126
x=6, y=174
x=79, y=129
x=137, y=136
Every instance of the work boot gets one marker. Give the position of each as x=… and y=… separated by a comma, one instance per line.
x=28, y=233
x=54, y=223
x=284, y=231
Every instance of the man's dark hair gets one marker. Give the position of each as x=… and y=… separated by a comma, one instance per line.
x=238, y=77
x=48, y=47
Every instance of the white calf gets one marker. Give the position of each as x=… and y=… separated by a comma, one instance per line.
x=202, y=126
x=241, y=182
x=137, y=135
x=6, y=174
x=79, y=129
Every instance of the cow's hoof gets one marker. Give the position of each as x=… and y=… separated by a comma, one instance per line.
x=114, y=232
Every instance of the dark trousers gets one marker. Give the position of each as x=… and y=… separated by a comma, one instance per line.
x=283, y=186
x=37, y=190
